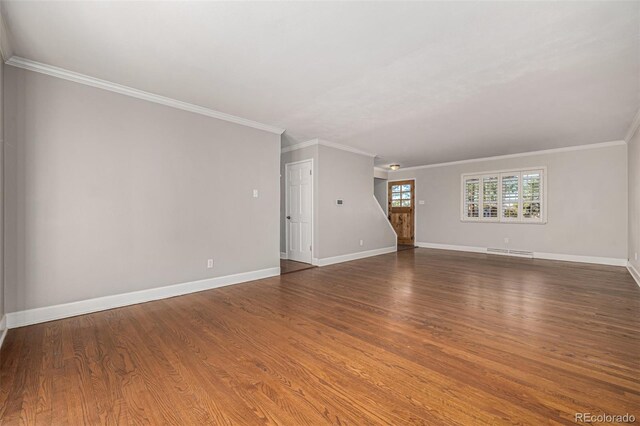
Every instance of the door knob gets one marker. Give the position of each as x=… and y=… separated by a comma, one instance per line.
x=288, y=217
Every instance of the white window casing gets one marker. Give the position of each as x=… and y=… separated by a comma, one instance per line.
x=506, y=196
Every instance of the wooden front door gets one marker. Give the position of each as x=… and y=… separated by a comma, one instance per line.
x=401, y=209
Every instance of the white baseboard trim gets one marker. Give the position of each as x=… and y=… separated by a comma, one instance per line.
x=452, y=247
x=354, y=256
x=284, y=255
x=3, y=329
x=634, y=273
x=611, y=261
x=50, y=313
x=536, y=255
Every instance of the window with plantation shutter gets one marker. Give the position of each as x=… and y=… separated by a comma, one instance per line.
x=514, y=196
x=472, y=198
x=490, y=197
x=510, y=195
x=531, y=195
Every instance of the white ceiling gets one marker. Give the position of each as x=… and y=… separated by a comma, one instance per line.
x=415, y=83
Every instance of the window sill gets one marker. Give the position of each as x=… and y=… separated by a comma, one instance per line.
x=507, y=222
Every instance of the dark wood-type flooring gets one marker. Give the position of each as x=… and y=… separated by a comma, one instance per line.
x=416, y=337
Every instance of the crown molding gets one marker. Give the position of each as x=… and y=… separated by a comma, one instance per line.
x=300, y=145
x=380, y=173
x=316, y=141
x=64, y=74
x=345, y=148
x=634, y=126
x=522, y=154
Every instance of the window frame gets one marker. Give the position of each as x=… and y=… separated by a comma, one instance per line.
x=464, y=201
x=499, y=174
x=498, y=203
x=402, y=199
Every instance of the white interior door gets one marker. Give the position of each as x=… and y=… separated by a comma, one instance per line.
x=299, y=210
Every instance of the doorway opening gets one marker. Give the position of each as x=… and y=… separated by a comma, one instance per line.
x=289, y=266
x=401, y=211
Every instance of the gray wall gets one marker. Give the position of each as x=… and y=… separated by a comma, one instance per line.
x=339, y=229
x=347, y=176
x=380, y=191
x=109, y=194
x=634, y=199
x=587, y=205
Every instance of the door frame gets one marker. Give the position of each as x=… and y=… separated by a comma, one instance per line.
x=415, y=206
x=286, y=205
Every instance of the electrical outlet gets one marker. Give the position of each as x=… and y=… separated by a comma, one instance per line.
x=209, y=263
x=506, y=240
x=636, y=256
x=361, y=243
x=421, y=202
x=255, y=193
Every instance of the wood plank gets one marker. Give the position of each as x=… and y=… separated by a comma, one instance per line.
x=416, y=337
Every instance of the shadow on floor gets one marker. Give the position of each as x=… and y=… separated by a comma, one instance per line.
x=289, y=266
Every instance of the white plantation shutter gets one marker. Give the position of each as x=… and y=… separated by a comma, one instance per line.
x=490, y=197
x=532, y=195
x=506, y=196
x=472, y=198
x=510, y=196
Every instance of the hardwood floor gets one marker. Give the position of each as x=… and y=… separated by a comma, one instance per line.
x=289, y=266
x=416, y=337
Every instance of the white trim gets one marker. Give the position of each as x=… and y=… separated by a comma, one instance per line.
x=286, y=204
x=386, y=218
x=6, y=51
x=438, y=246
x=612, y=261
x=3, y=329
x=354, y=256
x=522, y=154
x=634, y=273
x=50, y=313
x=316, y=141
x=300, y=145
x=283, y=255
x=345, y=148
x=64, y=74
x=380, y=173
x=634, y=126
x=416, y=202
